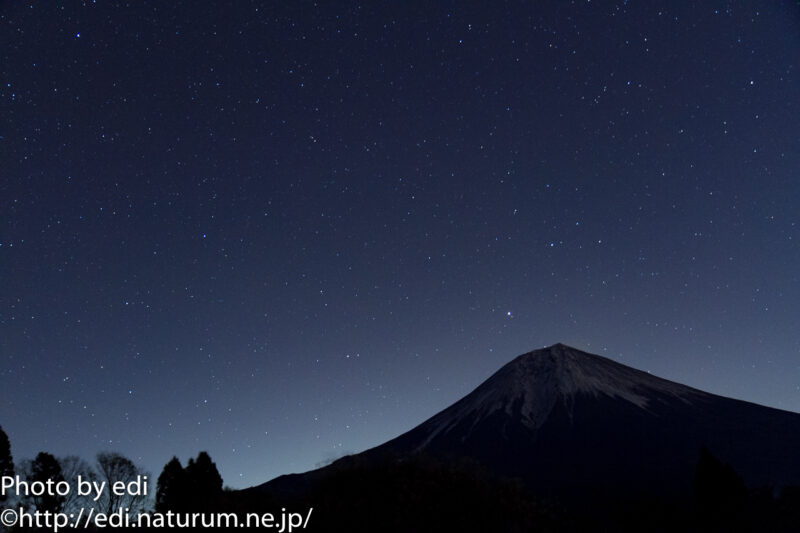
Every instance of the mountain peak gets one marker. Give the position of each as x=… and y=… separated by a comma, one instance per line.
x=560, y=345
x=568, y=371
x=528, y=388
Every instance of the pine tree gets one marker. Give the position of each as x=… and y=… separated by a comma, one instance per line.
x=172, y=488
x=203, y=474
x=204, y=482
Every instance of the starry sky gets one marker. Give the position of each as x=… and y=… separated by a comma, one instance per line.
x=284, y=232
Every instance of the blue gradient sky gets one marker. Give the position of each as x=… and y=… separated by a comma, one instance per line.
x=285, y=233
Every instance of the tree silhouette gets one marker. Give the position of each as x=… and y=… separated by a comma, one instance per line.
x=6, y=461
x=203, y=474
x=112, y=468
x=172, y=488
x=204, y=482
x=46, y=468
x=420, y=493
x=71, y=467
x=197, y=487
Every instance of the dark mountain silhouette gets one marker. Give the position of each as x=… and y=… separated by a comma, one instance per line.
x=563, y=420
x=561, y=440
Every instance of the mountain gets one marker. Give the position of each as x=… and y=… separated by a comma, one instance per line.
x=565, y=421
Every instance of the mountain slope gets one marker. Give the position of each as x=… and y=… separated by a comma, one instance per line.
x=560, y=419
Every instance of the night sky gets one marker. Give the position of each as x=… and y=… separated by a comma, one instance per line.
x=284, y=232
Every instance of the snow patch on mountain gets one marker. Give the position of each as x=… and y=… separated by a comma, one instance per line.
x=529, y=387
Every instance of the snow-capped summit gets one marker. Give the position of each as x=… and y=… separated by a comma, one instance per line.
x=527, y=389
x=570, y=371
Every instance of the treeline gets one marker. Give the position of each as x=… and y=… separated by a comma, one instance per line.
x=109, y=468
x=420, y=494
x=717, y=501
x=197, y=487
